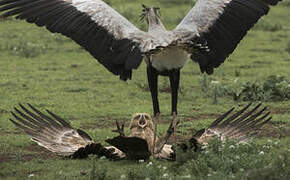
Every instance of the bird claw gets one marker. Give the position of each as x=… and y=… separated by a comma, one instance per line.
x=120, y=129
x=174, y=122
x=171, y=129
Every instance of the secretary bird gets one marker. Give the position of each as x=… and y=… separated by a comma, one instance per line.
x=208, y=34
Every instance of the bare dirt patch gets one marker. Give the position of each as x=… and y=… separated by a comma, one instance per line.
x=16, y=157
x=202, y=116
x=4, y=132
x=37, y=153
x=104, y=122
x=284, y=110
x=40, y=151
x=275, y=130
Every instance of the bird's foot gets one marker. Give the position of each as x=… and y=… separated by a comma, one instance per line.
x=174, y=122
x=120, y=128
x=164, y=139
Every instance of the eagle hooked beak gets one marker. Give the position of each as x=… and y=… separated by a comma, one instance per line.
x=142, y=121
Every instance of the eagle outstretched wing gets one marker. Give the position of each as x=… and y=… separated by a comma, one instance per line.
x=102, y=31
x=240, y=126
x=222, y=24
x=55, y=134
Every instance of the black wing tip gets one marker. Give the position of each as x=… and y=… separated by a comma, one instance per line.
x=222, y=118
x=13, y=113
x=32, y=107
x=12, y=121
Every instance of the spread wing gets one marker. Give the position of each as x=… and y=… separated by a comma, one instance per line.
x=133, y=147
x=240, y=126
x=222, y=24
x=103, y=32
x=53, y=133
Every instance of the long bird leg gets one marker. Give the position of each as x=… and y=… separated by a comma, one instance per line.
x=174, y=83
x=164, y=139
x=155, y=121
x=152, y=76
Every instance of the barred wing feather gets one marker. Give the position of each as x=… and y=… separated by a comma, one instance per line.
x=55, y=134
x=240, y=126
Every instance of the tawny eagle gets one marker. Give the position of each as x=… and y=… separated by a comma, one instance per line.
x=58, y=136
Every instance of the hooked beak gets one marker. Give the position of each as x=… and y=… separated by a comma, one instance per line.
x=142, y=121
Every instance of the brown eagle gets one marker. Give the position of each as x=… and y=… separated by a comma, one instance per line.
x=58, y=136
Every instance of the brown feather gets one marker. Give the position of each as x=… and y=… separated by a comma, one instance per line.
x=241, y=126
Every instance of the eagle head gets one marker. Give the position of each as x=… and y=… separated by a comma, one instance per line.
x=141, y=121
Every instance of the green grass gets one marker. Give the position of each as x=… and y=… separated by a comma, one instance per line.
x=51, y=72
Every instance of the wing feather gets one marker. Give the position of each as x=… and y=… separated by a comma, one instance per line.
x=222, y=24
x=103, y=32
x=240, y=126
x=55, y=134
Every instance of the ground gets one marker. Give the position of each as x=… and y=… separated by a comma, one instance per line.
x=51, y=72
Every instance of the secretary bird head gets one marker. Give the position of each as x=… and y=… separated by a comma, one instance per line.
x=150, y=14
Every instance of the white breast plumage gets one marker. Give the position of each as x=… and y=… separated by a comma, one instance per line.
x=169, y=58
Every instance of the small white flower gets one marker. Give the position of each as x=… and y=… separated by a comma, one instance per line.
x=215, y=82
x=209, y=175
x=232, y=147
x=149, y=164
x=261, y=153
x=103, y=157
x=288, y=85
x=164, y=167
x=30, y=175
x=277, y=142
x=123, y=176
x=141, y=160
x=165, y=175
x=236, y=80
x=186, y=176
x=266, y=147
x=269, y=141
